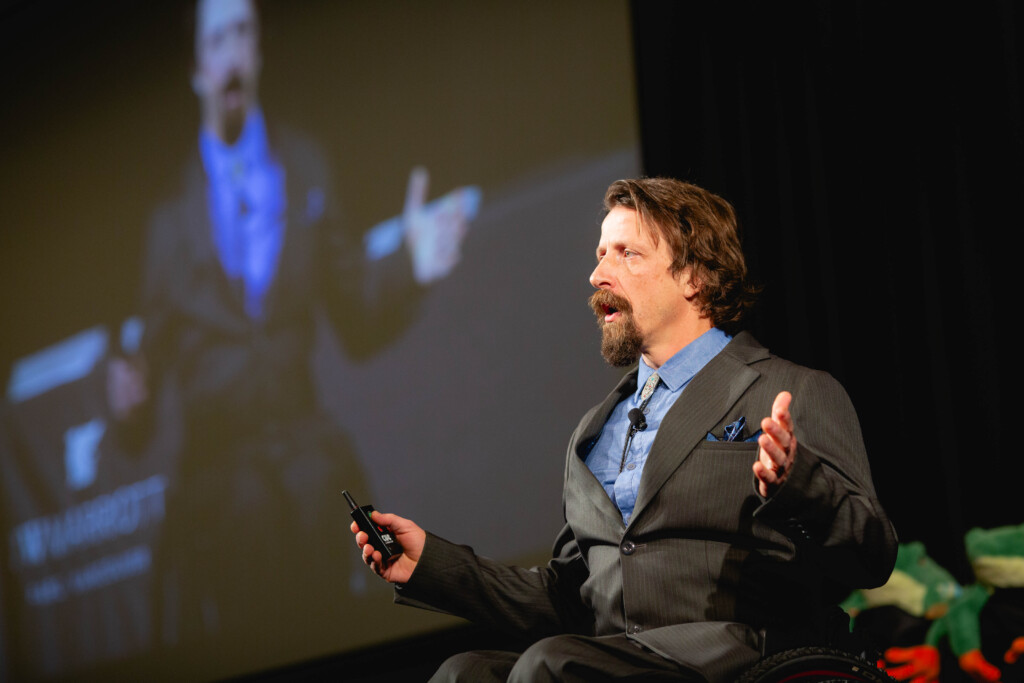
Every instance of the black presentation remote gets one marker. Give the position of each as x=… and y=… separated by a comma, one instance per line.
x=381, y=537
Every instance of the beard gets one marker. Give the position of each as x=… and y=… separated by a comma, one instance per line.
x=234, y=107
x=621, y=340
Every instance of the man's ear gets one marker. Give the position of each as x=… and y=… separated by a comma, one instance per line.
x=689, y=282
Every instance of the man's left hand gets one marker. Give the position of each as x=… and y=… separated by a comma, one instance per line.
x=777, y=446
x=435, y=231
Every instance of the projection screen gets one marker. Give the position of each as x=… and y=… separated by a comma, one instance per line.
x=417, y=186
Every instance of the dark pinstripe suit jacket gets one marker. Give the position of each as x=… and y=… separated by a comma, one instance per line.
x=706, y=566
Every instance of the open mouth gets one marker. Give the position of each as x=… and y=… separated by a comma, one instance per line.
x=608, y=307
x=233, y=97
x=233, y=93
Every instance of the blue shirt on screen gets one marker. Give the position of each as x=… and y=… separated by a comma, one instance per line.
x=247, y=202
x=606, y=456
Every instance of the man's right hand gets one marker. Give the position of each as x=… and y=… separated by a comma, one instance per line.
x=412, y=538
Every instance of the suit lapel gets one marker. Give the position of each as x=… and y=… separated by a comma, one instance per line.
x=197, y=206
x=703, y=403
x=289, y=259
x=221, y=305
x=580, y=481
x=593, y=422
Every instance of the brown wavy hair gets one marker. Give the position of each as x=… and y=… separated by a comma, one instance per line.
x=702, y=232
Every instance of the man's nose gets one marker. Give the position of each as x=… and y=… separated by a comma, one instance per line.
x=601, y=278
x=237, y=45
x=234, y=51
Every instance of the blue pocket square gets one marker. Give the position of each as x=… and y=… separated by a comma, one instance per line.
x=733, y=432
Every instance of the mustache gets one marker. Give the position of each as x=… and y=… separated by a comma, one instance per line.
x=603, y=302
x=233, y=83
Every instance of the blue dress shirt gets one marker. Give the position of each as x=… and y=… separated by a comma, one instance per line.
x=247, y=202
x=606, y=456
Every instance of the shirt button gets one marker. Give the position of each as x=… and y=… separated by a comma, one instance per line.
x=628, y=548
x=631, y=466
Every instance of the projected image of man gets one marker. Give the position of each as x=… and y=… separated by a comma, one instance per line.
x=239, y=268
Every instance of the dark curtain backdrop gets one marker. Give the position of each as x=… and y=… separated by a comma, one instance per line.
x=874, y=153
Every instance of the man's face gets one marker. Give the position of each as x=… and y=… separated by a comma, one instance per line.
x=227, y=64
x=640, y=304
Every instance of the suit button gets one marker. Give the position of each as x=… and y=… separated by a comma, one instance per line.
x=635, y=628
x=628, y=548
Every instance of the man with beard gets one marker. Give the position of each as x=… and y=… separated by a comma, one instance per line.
x=238, y=268
x=698, y=536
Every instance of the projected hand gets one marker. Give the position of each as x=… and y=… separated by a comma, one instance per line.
x=777, y=446
x=434, y=232
x=126, y=386
x=412, y=538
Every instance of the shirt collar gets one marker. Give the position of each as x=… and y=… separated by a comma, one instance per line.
x=687, y=362
x=250, y=148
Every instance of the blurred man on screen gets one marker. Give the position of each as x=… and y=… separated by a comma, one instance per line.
x=718, y=504
x=237, y=269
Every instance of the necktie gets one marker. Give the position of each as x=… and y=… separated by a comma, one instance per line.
x=645, y=393
x=639, y=423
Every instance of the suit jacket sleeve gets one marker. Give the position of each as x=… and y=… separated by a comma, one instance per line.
x=827, y=506
x=369, y=302
x=528, y=603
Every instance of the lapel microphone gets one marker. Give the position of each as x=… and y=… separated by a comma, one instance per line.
x=637, y=421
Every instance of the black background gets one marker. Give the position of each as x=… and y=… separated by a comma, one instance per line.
x=873, y=152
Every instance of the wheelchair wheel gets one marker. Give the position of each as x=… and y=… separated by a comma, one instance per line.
x=814, y=665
